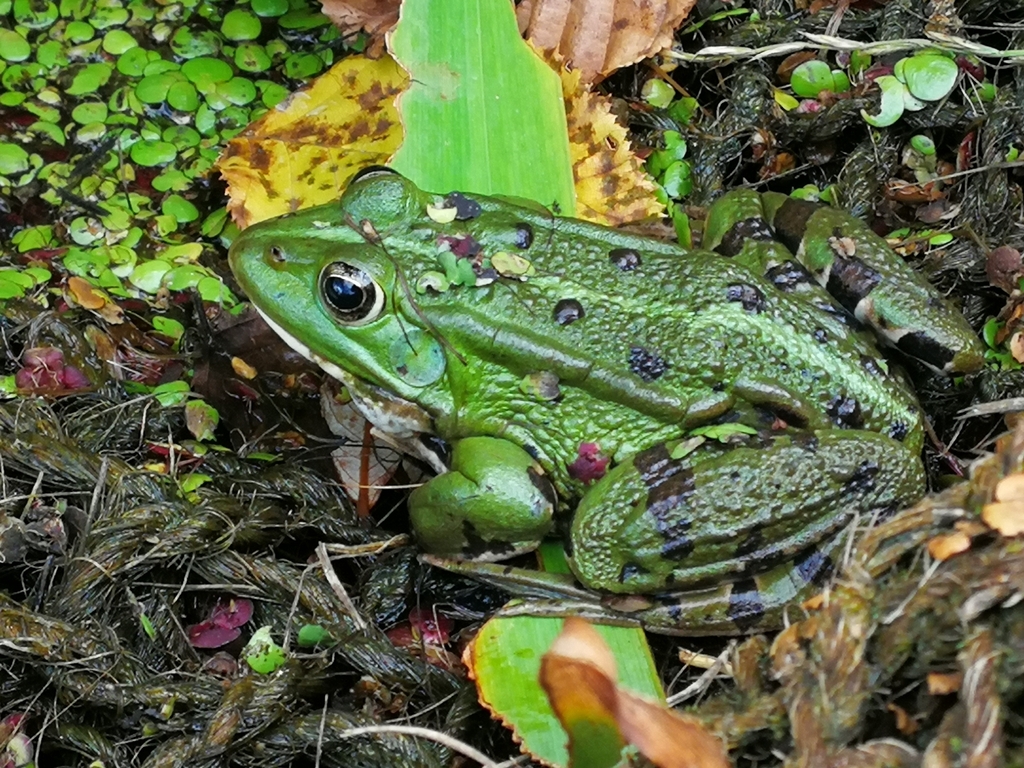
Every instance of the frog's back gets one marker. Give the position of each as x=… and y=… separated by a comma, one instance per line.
x=687, y=337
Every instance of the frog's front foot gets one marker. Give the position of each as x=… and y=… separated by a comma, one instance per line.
x=493, y=503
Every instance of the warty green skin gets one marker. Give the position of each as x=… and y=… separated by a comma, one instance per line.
x=676, y=341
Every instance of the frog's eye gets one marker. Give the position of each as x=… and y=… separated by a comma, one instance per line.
x=350, y=293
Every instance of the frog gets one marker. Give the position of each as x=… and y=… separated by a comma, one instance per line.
x=700, y=427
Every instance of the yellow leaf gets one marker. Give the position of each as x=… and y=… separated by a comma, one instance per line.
x=611, y=185
x=303, y=152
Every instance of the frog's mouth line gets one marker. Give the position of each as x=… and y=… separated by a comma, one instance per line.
x=391, y=427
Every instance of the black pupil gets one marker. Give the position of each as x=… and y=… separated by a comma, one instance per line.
x=343, y=294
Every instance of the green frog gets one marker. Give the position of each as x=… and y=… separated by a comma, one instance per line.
x=701, y=427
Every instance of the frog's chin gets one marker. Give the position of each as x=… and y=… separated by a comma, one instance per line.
x=301, y=348
x=401, y=423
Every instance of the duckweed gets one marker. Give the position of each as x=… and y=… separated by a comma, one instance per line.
x=270, y=8
x=13, y=47
x=251, y=57
x=240, y=25
x=89, y=79
x=117, y=41
x=142, y=94
x=183, y=96
x=150, y=152
x=13, y=159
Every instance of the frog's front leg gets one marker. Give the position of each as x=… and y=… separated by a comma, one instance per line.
x=494, y=502
x=719, y=525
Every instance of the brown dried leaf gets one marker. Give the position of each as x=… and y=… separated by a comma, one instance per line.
x=941, y=683
x=1007, y=517
x=1017, y=347
x=364, y=465
x=79, y=291
x=350, y=16
x=578, y=674
x=597, y=37
x=905, y=724
x=1010, y=488
x=611, y=185
x=304, y=152
x=945, y=546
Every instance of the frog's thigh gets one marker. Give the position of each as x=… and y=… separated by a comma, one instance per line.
x=494, y=502
x=657, y=524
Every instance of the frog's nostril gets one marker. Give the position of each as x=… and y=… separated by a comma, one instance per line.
x=276, y=254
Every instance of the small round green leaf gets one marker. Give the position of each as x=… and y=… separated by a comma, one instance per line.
x=811, y=78
x=149, y=152
x=657, y=93
x=89, y=79
x=133, y=62
x=13, y=47
x=300, y=66
x=78, y=31
x=153, y=89
x=35, y=14
x=930, y=76
x=183, y=96
x=241, y=24
x=238, y=91
x=891, y=108
x=13, y=159
x=270, y=8
x=922, y=144
x=189, y=44
x=117, y=41
x=251, y=57
x=108, y=15
x=89, y=112
x=149, y=275
x=206, y=70
x=180, y=208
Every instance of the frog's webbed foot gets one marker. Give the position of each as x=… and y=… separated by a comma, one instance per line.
x=494, y=502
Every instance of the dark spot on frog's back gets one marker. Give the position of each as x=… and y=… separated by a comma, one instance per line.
x=871, y=365
x=862, y=480
x=645, y=364
x=749, y=296
x=845, y=412
x=568, y=311
x=625, y=259
x=670, y=484
x=788, y=276
x=899, y=430
x=466, y=208
x=752, y=542
x=808, y=441
x=522, y=236
x=630, y=571
x=745, y=604
x=748, y=229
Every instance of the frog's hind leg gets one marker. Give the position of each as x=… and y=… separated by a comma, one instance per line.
x=734, y=531
x=758, y=603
